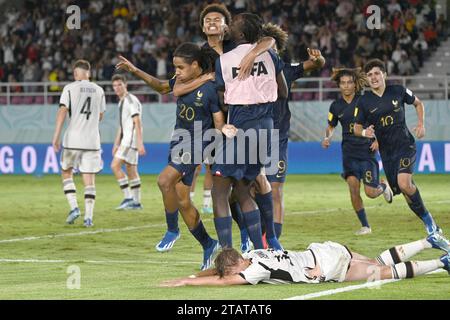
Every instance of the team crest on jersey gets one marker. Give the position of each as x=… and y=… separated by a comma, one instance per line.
x=395, y=103
x=198, y=99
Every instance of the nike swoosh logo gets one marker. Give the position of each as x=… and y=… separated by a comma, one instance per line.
x=373, y=110
x=397, y=110
x=279, y=176
x=340, y=116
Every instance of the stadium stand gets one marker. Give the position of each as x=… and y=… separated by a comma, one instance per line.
x=35, y=48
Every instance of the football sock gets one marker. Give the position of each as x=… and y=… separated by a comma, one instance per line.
x=123, y=184
x=419, y=209
x=199, y=233
x=402, y=252
x=70, y=192
x=135, y=186
x=278, y=227
x=363, y=218
x=265, y=205
x=172, y=221
x=223, y=228
x=253, y=221
x=89, y=201
x=412, y=269
x=207, y=198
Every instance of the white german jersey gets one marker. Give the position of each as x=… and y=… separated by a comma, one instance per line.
x=129, y=107
x=275, y=267
x=85, y=101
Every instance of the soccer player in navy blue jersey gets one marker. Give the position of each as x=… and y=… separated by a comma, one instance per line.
x=249, y=104
x=380, y=113
x=358, y=153
x=214, y=21
x=281, y=121
x=197, y=112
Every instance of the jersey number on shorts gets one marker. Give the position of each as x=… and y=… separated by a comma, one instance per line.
x=86, y=108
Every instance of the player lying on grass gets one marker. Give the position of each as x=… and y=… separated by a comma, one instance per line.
x=321, y=262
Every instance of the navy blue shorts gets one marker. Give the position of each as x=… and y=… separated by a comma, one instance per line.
x=184, y=163
x=280, y=175
x=246, y=161
x=366, y=170
x=403, y=162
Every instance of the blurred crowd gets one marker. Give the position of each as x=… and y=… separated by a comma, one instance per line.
x=35, y=44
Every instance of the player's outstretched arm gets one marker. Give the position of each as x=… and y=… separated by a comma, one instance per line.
x=161, y=86
x=60, y=117
x=246, y=65
x=180, y=89
x=205, y=281
x=316, y=60
x=419, y=130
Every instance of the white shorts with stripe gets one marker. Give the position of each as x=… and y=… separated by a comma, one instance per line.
x=83, y=160
x=127, y=154
x=333, y=259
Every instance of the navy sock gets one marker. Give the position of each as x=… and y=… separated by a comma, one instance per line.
x=278, y=227
x=265, y=205
x=253, y=222
x=236, y=213
x=199, y=233
x=172, y=221
x=223, y=229
x=419, y=209
x=363, y=218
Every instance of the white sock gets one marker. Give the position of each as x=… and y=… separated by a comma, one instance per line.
x=89, y=201
x=123, y=184
x=135, y=186
x=412, y=269
x=207, y=198
x=71, y=193
x=192, y=195
x=402, y=252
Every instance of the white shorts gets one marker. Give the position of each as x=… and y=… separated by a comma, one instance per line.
x=83, y=161
x=333, y=259
x=127, y=154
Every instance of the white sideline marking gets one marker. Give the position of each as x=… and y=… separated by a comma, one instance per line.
x=349, y=288
x=95, y=261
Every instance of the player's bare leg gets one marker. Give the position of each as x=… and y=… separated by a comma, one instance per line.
x=382, y=189
x=207, y=186
x=71, y=195
x=358, y=206
x=198, y=169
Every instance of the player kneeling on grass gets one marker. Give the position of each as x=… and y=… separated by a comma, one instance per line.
x=128, y=145
x=321, y=262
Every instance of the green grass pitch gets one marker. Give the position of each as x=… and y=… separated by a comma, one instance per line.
x=117, y=259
